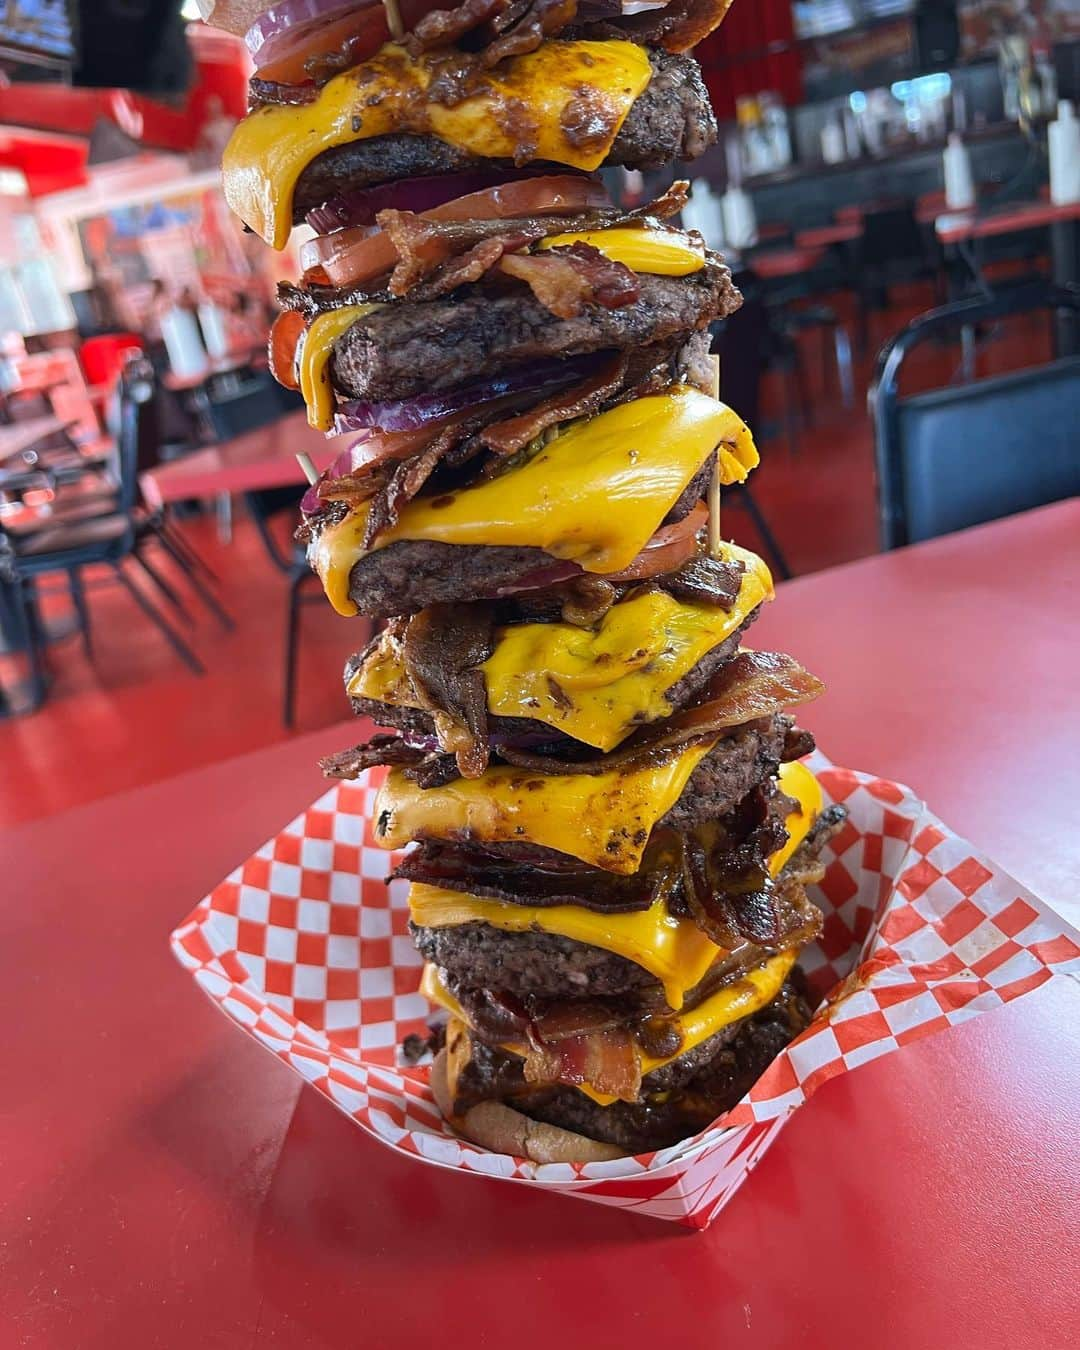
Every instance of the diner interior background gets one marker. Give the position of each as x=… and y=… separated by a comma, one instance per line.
x=877, y=158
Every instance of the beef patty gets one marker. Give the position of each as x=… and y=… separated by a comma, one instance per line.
x=695, y=1089
x=404, y=350
x=671, y=120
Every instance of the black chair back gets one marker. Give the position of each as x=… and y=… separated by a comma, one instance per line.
x=254, y=402
x=975, y=452
x=891, y=235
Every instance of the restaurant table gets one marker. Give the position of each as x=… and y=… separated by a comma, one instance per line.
x=167, y=1183
x=263, y=458
x=773, y=263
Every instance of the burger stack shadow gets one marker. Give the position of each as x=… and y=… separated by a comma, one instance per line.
x=610, y=830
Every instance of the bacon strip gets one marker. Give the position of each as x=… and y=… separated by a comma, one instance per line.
x=535, y=880
x=605, y=1060
x=445, y=645
x=566, y=279
x=507, y=438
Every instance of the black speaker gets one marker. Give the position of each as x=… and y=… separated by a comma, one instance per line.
x=937, y=35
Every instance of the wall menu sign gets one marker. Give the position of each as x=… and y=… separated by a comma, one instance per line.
x=38, y=31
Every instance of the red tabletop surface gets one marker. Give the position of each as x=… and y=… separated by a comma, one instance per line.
x=166, y=1183
x=264, y=458
x=955, y=226
x=821, y=236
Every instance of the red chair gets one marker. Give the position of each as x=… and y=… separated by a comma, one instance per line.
x=103, y=357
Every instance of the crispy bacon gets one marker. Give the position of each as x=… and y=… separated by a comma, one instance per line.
x=509, y=27
x=607, y=1061
x=526, y=33
x=753, y=684
x=445, y=645
x=420, y=766
x=507, y=438
x=706, y=580
x=567, y=278
x=538, y=879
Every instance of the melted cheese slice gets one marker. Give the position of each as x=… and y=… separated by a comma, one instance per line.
x=604, y=819
x=673, y=950
x=600, y=685
x=564, y=102
x=666, y=253
x=596, y=684
x=754, y=991
x=593, y=495
x=315, y=355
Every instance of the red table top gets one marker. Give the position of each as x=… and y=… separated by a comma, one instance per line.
x=264, y=458
x=821, y=236
x=167, y=1183
x=955, y=226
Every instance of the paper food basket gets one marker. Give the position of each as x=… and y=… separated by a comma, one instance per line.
x=308, y=951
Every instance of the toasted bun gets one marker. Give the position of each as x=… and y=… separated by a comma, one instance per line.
x=235, y=16
x=498, y=1127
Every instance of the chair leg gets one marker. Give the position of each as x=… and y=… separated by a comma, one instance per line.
x=155, y=616
x=791, y=410
x=196, y=560
x=82, y=609
x=223, y=509
x=842, y=347
x=769, y=540
x=292, y=626
x=166, y=588
x=205, y=594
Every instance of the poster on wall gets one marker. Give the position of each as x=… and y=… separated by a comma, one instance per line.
x=37, y=31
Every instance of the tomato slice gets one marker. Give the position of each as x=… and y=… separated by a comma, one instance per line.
x=356, y=36
x=669, y=549
x=285, y=337
x=356, y=256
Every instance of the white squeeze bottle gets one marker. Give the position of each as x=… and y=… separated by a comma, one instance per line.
x=959, y=183
x=1063, y=137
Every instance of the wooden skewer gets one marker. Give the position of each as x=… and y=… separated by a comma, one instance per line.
x=311, y=473
x=393, y=19
x=714, y=479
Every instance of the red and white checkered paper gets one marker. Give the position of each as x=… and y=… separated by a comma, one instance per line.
x=308, y=950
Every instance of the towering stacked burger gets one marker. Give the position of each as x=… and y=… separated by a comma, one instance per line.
x=611, y=831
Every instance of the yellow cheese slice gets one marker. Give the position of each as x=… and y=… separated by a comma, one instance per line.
x=563, y=102
x=604, y=819
x=600, y=685
x=593, y=495
x=596, y=684
x=315, y=355
x=666, y=253
x=754, y=991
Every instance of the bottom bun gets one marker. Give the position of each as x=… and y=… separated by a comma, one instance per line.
x=498, y=1127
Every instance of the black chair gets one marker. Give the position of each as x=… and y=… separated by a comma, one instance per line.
x=893, y=248
x=257, y=401
x=745, y=342
x=109, y=539
x=971, y=453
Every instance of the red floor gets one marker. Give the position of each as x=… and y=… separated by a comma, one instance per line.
x=135, y=715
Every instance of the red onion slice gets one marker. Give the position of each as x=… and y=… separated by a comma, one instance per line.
x=361, y=206
x=410, y=414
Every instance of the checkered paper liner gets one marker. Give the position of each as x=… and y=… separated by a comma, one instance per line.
x=307, y=949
